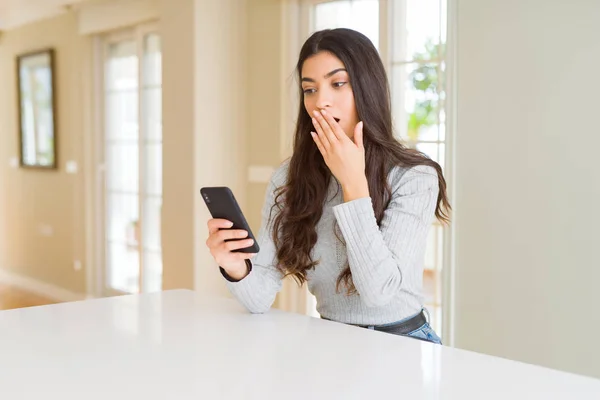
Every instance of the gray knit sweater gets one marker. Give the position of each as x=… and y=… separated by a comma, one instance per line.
x=386, y=261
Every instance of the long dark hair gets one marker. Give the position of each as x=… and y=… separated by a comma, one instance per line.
x=300, y=201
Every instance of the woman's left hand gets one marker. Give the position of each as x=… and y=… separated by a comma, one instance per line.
x=344, y=157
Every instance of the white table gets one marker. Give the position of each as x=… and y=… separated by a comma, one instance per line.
x=182, y=345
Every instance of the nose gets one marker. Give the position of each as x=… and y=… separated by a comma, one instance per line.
x=323, y=100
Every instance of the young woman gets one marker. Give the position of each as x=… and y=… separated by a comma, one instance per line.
x=350, y=211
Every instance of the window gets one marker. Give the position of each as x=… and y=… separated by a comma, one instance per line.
x=416, y=65
x=362, y=15
x=132, y=150
x=418, y=40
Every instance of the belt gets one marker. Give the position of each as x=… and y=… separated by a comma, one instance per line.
x=400, y=328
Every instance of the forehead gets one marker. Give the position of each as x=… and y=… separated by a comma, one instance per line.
x=318, y=65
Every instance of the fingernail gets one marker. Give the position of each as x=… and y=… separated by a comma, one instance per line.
x=315, y=112
x=314, y=121
x=229, y=224
x=323, y=112
x=312, y=133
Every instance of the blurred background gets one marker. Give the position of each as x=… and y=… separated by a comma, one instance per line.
x=113, y=114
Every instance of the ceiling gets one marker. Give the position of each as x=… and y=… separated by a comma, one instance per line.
x=14, y=13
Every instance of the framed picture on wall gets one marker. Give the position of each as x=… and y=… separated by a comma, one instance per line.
x=37, y=109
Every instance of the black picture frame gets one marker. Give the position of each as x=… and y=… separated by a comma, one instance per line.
x=36, y=96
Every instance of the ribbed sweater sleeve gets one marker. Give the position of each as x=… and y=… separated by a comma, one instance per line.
x=379, y=256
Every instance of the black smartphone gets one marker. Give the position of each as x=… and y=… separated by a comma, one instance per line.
x=221, y=203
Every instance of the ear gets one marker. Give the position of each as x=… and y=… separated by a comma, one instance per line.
x=358, y=135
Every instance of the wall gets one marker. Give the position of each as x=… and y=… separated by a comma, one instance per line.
x=242, y=122
x=204, y=129
x=220, y=118
x=34, y=199
x=178, y=242
x=264, y=95
x=272, y=108
x=527, y=181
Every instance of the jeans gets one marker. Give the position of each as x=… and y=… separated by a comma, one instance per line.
x=425, y=332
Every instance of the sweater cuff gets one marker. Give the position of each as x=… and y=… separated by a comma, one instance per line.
x=357, y=221
x=356, y=214
x=230, y=279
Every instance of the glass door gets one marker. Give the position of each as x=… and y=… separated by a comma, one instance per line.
x=132, y=154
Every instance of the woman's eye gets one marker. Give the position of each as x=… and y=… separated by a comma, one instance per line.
x=339, y=84
x=308, y=91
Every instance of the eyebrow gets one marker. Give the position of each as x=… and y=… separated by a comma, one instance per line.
x=327, y=75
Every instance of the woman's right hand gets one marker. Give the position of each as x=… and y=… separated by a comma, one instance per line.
x=233, y=263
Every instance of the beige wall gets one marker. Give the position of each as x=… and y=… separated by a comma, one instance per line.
x=271, y=103
x=178, y=44
x=264, y=101
x=221, y=127
x=31, y=199
x=528, y=184
x=224, y=120
x=205, y=129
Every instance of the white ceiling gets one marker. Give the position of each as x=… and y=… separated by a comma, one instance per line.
x=14, y=13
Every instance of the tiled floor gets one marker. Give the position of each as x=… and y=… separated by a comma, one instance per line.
x=13, y=297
